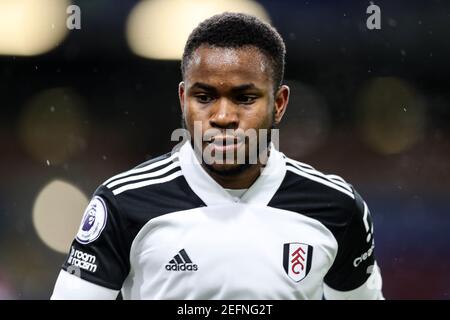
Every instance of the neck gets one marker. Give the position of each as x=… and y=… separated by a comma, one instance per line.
x=241, y=179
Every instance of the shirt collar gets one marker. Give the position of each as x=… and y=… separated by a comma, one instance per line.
x=212, y=193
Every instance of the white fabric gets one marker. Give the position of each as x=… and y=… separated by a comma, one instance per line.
x=71, y=287
x=211, y=193
x=236, y=193
x=238, y=249
x=236, y=245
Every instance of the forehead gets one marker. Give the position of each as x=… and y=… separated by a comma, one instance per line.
x=217, y=65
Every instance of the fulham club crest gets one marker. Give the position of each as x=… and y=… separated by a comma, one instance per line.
x=297, y=259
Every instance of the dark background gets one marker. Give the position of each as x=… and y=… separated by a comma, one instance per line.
x=370, y=105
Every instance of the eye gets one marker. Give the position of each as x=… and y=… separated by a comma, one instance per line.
x=203, y=98
x=246, y=99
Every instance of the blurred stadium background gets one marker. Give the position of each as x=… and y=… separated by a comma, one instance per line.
x=78, y=106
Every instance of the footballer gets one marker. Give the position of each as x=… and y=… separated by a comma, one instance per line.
x=226, y=215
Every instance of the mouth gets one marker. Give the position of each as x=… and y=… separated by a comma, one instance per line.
x=225, y=143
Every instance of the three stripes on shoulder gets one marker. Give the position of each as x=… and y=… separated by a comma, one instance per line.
x=309, y=172
x=153, y=173
x=157, y=172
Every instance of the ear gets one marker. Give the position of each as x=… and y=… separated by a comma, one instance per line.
x=281, y=102
x=181, y=95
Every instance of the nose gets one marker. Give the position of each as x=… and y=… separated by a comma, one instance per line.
x=224, y=115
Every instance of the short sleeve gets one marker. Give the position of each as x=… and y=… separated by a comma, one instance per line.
x=355, y=259
x=100, y=251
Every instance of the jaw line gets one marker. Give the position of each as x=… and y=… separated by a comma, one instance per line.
x=230, y=172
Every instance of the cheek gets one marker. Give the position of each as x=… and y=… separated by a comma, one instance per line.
x=259, y=117
x=193, y=112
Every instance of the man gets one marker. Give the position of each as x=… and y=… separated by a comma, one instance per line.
x=227, y=216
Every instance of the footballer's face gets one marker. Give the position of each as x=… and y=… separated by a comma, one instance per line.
x=226, y=92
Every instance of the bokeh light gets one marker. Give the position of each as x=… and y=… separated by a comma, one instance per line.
x=390, y=114
x=53, y=126
x=158, y=29
x=57, y=213
x=30, y=27
x=306, y=124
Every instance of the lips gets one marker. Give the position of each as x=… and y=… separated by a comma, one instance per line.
x=224, y=140
x=225, y=143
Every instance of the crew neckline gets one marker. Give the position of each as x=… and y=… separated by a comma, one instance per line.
x=211, y=193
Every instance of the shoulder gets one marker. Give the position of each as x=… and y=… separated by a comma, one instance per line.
x=327, y=198
x=303, y=179
x=155, y=171
x=151, y=189
x=301, y=171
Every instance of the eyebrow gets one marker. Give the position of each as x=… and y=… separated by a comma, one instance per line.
x=204, y=86
x=207, y=87
x=244, y=87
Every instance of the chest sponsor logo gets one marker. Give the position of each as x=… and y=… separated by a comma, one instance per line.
x=297, y=258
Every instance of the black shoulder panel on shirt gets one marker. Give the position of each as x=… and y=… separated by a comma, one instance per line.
x=339, y=213
x=105, y=261
x=143, y=204
x=315, y=200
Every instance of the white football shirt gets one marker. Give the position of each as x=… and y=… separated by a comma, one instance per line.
x=167, y=230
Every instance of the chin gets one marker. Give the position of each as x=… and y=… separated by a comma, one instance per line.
x=227, y=169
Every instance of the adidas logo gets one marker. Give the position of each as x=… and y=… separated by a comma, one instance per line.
x=181, y=262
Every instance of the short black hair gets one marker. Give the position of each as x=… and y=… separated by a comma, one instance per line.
x=235, y=30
